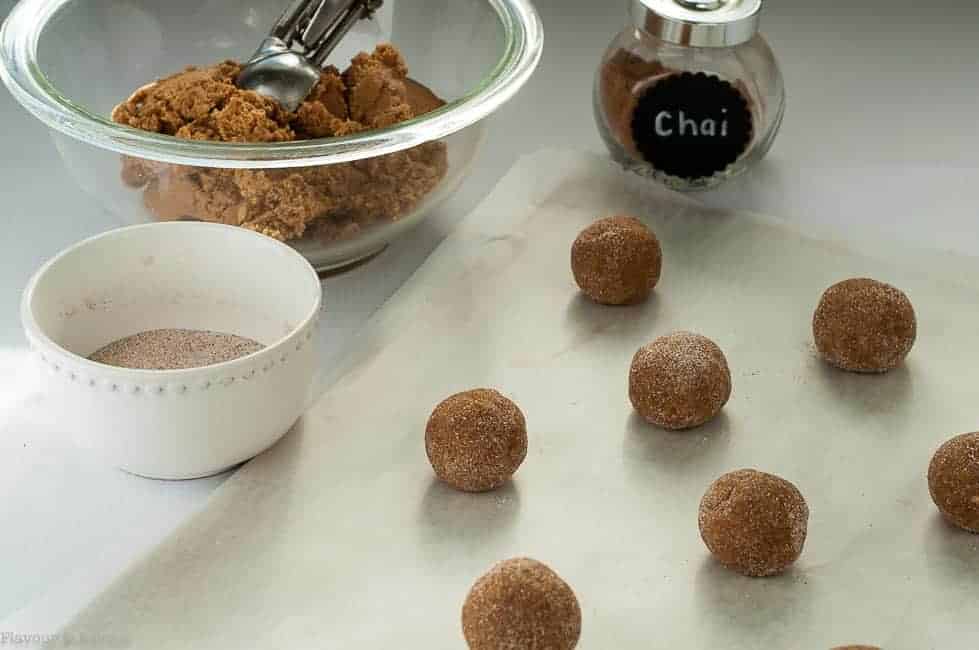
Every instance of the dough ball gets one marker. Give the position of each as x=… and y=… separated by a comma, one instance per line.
x=863, y=325
x=679, y=381
x=754, y=523
x=616, y=261
x=857, y=647
x=521, y=603
x=476, y=440
x=953, y=480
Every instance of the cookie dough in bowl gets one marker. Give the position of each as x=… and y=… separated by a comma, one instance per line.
x=145, y=116
x=325, y=203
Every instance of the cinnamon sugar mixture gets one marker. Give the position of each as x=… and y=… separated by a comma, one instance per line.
x=330, y=202
x=175, y=349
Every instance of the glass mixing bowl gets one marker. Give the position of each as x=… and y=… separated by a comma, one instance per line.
x=70, y=62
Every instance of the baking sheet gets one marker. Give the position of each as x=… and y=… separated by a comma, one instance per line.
x=340, y=538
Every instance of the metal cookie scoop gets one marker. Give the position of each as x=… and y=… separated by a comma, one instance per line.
x=316, y=27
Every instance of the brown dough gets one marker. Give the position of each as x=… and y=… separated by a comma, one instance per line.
x=679, y=381
x=476, y=440
x=863, y=325
x=329, y=202
x=953, y=481
x=616, y=261
x=521, y=603
x=753, y=522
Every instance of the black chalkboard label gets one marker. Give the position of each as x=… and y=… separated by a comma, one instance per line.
x=691, y=125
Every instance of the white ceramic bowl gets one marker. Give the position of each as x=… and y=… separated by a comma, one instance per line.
x=175, y=423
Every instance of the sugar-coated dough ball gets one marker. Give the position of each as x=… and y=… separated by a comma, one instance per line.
x=679, y=381
x=616, y=261
x=521, y=603
x=863, y=325
x=476, y=440
x=753, y=522
x=953, y=480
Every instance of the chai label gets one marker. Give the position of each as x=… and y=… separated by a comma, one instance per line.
x=692, y=125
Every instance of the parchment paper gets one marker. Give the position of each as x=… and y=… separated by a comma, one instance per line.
x=340, y=538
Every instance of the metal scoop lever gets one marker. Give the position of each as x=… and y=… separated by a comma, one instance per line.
x=314, y=28
x=340, y=17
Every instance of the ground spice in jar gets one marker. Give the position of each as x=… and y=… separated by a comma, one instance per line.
x=689, y=94
x=619, y=78
x=640, y=100
x=175, y=349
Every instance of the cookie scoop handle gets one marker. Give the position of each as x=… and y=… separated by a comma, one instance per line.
x=338, y=26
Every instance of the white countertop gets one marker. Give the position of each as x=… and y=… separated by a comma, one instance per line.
x=880, y=135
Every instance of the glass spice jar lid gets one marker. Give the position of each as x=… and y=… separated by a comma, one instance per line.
x=698, y=23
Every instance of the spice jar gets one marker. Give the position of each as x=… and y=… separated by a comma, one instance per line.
x=690, y=94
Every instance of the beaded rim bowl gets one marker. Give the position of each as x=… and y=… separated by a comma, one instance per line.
x=175, y=423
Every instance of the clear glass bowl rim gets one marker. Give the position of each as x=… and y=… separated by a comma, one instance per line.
x=21, y=32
